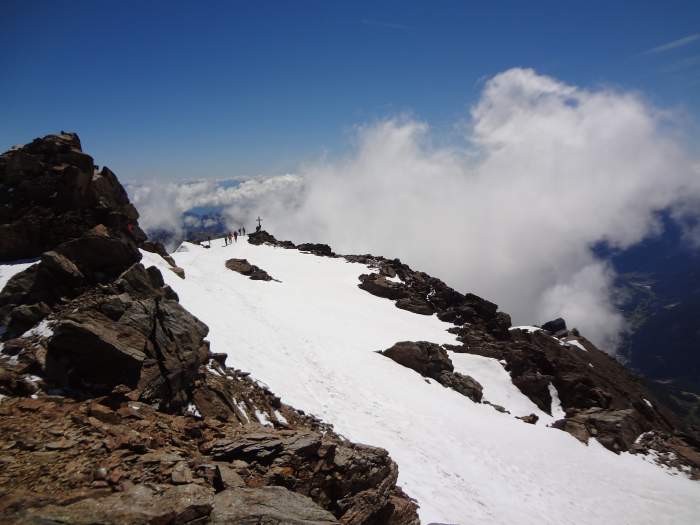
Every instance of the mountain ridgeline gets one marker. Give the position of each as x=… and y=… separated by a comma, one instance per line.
x=114, y=408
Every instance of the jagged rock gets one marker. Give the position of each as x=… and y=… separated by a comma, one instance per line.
x=617, y=430
x=428, y=359
x=93, y=348
x=177, y=271
x=117, y=332
x=496, y=407
x=322, y=250
x=261, y=237
x=532, y=419
x=62, y=267
x=23, y=317
x=465, y=385
x=228, y=477
x=556, y=327
x=157, y=247
x=420, y=293
x=417, y=306
x=378, y=285
x=675, y=451
x=431, y=360
x=99, y=257
x=251, y=271
x=56, y=195
x=268, y=505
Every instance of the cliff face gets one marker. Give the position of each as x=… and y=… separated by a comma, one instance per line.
x=113, y=408
x=53, y=192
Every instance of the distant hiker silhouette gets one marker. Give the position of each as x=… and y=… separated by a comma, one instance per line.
x=235, y=236
x=243, y=228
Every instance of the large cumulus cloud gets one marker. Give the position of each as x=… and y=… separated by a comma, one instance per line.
x=545, y=171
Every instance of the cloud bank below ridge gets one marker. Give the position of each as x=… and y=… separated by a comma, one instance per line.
x=544, y=171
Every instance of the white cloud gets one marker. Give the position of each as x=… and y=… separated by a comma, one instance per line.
x=161, y=205
x=551, y=169
x=545, y=171
x=681, y=42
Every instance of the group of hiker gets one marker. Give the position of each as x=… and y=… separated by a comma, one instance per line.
x=230, y=238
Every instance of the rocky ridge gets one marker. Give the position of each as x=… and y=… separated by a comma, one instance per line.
x=600, y=397
x=113, y=408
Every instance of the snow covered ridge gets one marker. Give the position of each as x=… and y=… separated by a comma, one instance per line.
x=313, y=339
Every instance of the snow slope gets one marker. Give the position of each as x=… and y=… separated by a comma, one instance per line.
x=312, y=339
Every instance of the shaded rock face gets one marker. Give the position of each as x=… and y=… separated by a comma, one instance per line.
x=431, y=360
x=251, y=271
x=322, y=250
x=428, y=359
x=600, y=397
x=420, y=293
x=263, y=237
x=131, y=419
x=556, y=327
x=50, y=192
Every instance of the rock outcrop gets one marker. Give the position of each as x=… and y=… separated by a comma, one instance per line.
x=251, y=271
x=431, y=360
x=262, y=237
x=600, y=397
x=51, y=192
x=113, y=408
x=420, y=293
x=322, y=250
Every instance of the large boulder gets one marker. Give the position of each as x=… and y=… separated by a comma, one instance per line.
x=251, y=271
x=322, y=250
x=556, y=327
x=91, y=349
x=465, y=385
x=428, y=359
x=379, y=285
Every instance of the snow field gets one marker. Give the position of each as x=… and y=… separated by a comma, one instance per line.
x=312, y=338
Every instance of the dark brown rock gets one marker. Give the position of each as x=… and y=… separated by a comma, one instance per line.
x=378, y=285
x=251, y=271
x=178, y=271
x=530, y=418
x=52, y=192
x=465, y=385
x=322, y=250
x=428, y=359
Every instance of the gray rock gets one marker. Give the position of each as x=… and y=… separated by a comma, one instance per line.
x=267, y=506
x=138, y=506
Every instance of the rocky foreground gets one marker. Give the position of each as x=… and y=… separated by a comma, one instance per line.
x=114, y=410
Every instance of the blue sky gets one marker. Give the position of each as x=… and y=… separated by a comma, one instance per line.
x=185, y=90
